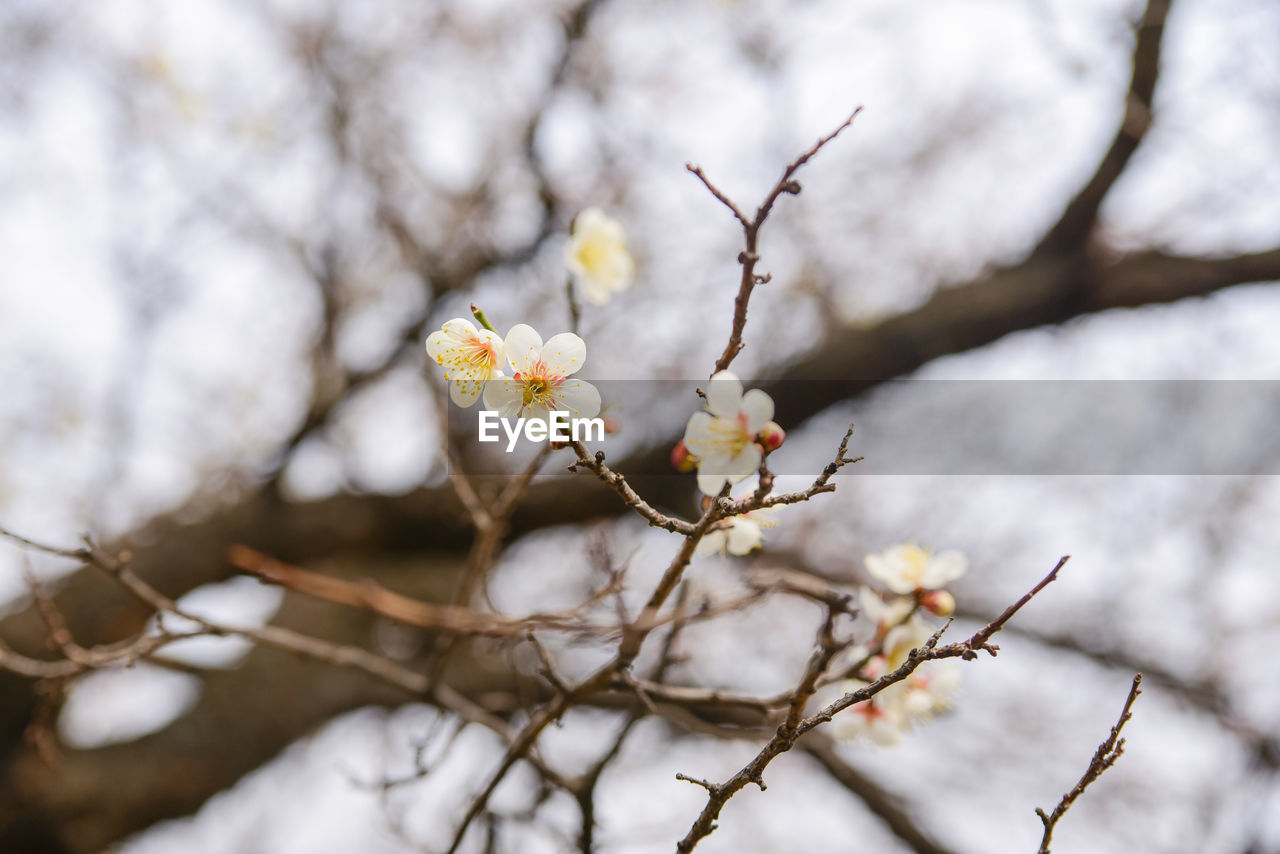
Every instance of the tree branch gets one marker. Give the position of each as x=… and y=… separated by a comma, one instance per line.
x=1081, y=214
x=1103, y=758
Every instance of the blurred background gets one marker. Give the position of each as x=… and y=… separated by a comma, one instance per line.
x=226, y=227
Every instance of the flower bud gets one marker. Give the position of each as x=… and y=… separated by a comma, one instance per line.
x=612, y=425
x=938, y=602
x=772, y=436
x=681, y=459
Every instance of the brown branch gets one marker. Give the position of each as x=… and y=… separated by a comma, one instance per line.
x=786, y=736
x=374, y=597
x=750, y=256
x=980, y=641
x=595, y=463
x=1081, y=214
x=1103, y=758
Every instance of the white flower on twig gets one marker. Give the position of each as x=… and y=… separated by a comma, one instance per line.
x=739, y=535
x=540, y=383
x=906, y=567
x=597, y=256
x=470, y=358
x=723, y=438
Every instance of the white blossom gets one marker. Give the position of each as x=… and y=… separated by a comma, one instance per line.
x=884, y=718
x=906, y=567
x=739, y=535
x=470, y=358
x=723, y=437
x=597, y=256
x=874, y=719
x=540, y=381
x=884, y=614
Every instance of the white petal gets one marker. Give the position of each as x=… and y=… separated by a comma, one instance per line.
x=453, y=333
x=505, y=396
x=465, y=392
x=888, y=572
x=580, y=399
x=594, y=290
x=716, y=462
x=758, y=407
x=523, y=344
x=945, y=567
x=495, y=341
x=590, y=220
x=436, y=341
x=745, y=463
x=766, y=517
x=698, y=437
x=713, y=542
x=537, y=412
x=711, y=483
x=744, y=536
x=871, y=604
x=724, y=394
x=461, y=327
x=564, y=354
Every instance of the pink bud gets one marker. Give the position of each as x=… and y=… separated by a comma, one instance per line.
x=938, y=602
x=681, y=459
x=772, y=436
x=612, y=425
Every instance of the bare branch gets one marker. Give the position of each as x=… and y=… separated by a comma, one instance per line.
x=630, y=497
x=1103, y=758
x=881, y=803
x=750, y=256
x=1081, y=214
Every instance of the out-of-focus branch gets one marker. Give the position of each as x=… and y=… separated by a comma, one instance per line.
x=1081, y=214
x=881, y=803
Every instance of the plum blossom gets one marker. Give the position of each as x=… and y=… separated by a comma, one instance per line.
x=540, y=381
x=881, y=722
x=926, y=692
x=907, y=567
x=886, y=615
x=723, y=438
x=470, y=358
x=739, y=535
x=884, y=718
x=597, y=256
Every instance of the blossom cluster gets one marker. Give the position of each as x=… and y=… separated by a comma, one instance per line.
x=915, y=575
x=474, y=360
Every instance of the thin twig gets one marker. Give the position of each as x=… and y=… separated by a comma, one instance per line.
x=1103, y=758
x=750, y=256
